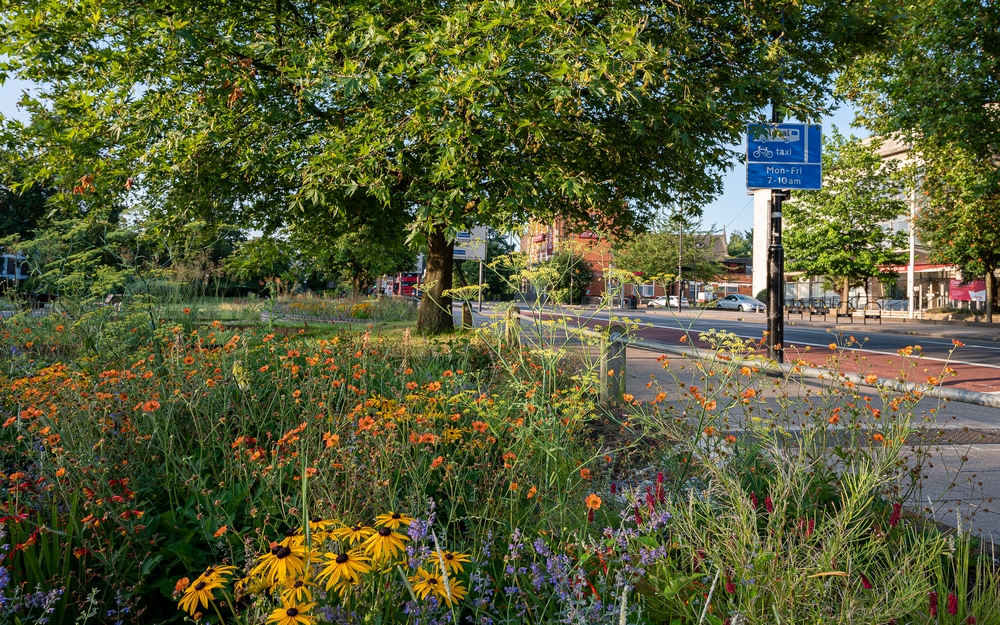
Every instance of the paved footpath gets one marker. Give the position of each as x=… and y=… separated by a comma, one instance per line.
x=964, y=479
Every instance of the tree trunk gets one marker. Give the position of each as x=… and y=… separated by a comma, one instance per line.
x=434, y=315
x=845, y=294
x=991, y=289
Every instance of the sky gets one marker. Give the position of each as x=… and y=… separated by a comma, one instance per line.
x=733, y=210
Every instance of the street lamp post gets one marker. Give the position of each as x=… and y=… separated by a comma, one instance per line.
x=775, y=271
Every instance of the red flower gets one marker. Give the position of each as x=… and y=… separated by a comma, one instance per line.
x=971, y=620
x=932, y=599
x=864, y=582
x=614, y=487
x=649, y=501
x=754, y=501
x=768, y=504
x=894, y=517
x=638, y=516
x=952, y=604
x=730, y=586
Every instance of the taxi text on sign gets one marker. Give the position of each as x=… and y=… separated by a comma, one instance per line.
x=784, y=156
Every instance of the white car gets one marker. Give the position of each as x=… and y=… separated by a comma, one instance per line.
x=742, y=303
x=668, y=302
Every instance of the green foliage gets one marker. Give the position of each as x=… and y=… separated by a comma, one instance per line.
x=654, y=253
x=570, y=268
x=937, y=82
x=740, y=244
x=837, y=231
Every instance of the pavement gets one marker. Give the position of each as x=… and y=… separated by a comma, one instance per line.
x=961, y=480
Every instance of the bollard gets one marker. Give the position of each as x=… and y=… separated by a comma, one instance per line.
x=513, y=319
x=613, y=365
x=467, y=322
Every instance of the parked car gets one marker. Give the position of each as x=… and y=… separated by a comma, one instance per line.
x=665, y=302
x=742, y=303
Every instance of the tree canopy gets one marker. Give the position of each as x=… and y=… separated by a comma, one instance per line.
x=473, y=112
x=838, y=231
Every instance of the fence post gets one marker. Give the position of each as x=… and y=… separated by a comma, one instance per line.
x=467, y=323
x=513, y=318
x=613, y=365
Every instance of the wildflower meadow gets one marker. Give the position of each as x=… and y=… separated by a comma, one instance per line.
x=161, y=466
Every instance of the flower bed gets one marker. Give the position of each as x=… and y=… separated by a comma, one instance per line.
x=244, y=476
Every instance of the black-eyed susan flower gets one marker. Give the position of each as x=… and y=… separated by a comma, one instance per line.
x=294, y=538
x=353, y=534
x=343, y=566
x=384, y=544
x=392, y=520
x=222, y=572
x=296, y=590
x=280, y=563
x=293, y=614
x=319, y=525
x=453, y=560
x=425, y=583
x=198, y=595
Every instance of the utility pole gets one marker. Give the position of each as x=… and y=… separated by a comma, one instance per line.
x=776, y=271
x=680, y=253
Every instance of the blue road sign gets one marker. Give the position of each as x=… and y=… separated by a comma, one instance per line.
x=784, y=156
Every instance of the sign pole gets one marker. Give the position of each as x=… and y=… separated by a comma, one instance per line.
x=776, y=272
x=480, y=285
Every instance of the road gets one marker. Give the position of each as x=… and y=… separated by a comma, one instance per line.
x=963, y=479
x=976, y=363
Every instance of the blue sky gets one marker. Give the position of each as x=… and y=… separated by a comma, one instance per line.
x=732, y=210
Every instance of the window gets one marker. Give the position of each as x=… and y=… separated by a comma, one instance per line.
x=646, y=290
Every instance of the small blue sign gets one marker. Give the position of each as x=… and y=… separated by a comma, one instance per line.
x=784, y=156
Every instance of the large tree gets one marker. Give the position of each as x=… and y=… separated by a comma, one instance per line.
x=838, y=231
x=653, y=254
x=462, y=112
x=938, y=81
x=960, y=217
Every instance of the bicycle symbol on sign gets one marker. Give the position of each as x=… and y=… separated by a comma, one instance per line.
x=762, y=152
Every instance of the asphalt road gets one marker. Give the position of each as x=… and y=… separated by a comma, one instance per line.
x=976, y=364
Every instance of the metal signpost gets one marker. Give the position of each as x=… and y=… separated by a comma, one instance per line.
x=781, y=157
x=471, y=245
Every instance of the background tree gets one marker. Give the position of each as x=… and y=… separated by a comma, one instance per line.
x=653, y=255
x=837, y=231
x=22, y=210
x=574, y=274
x=938, y=81
x=740, y=244
x=463, y=113
x=960, y=219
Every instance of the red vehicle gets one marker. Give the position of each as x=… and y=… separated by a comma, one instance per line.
x=406, y=284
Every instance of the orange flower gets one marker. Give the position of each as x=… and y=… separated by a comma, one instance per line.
x=181, y=585
x=878, y=438
x=832, y=346
x=411, y=386
x=480, y=426
x=365, y=423
x=660, y=396
x=150, y=405
x=957, y=343
x=434, y=387
x=532, y=491
x=513, y=485
x=187, y=311
x=745, y=370
x=61, y=471
x=710, y=430
x=331, y=439
x=437, y=462
x=60, y=328
x=834, y=418
x=593, y=501
x=710, y=404
x=209, y=382
x=222, y=530
x=585, y=473
x=608, y=458
x=628, y=397
x=932, y=380
x=447, y=373
x=749, y=393
x=730, y=439
x=427, y=438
